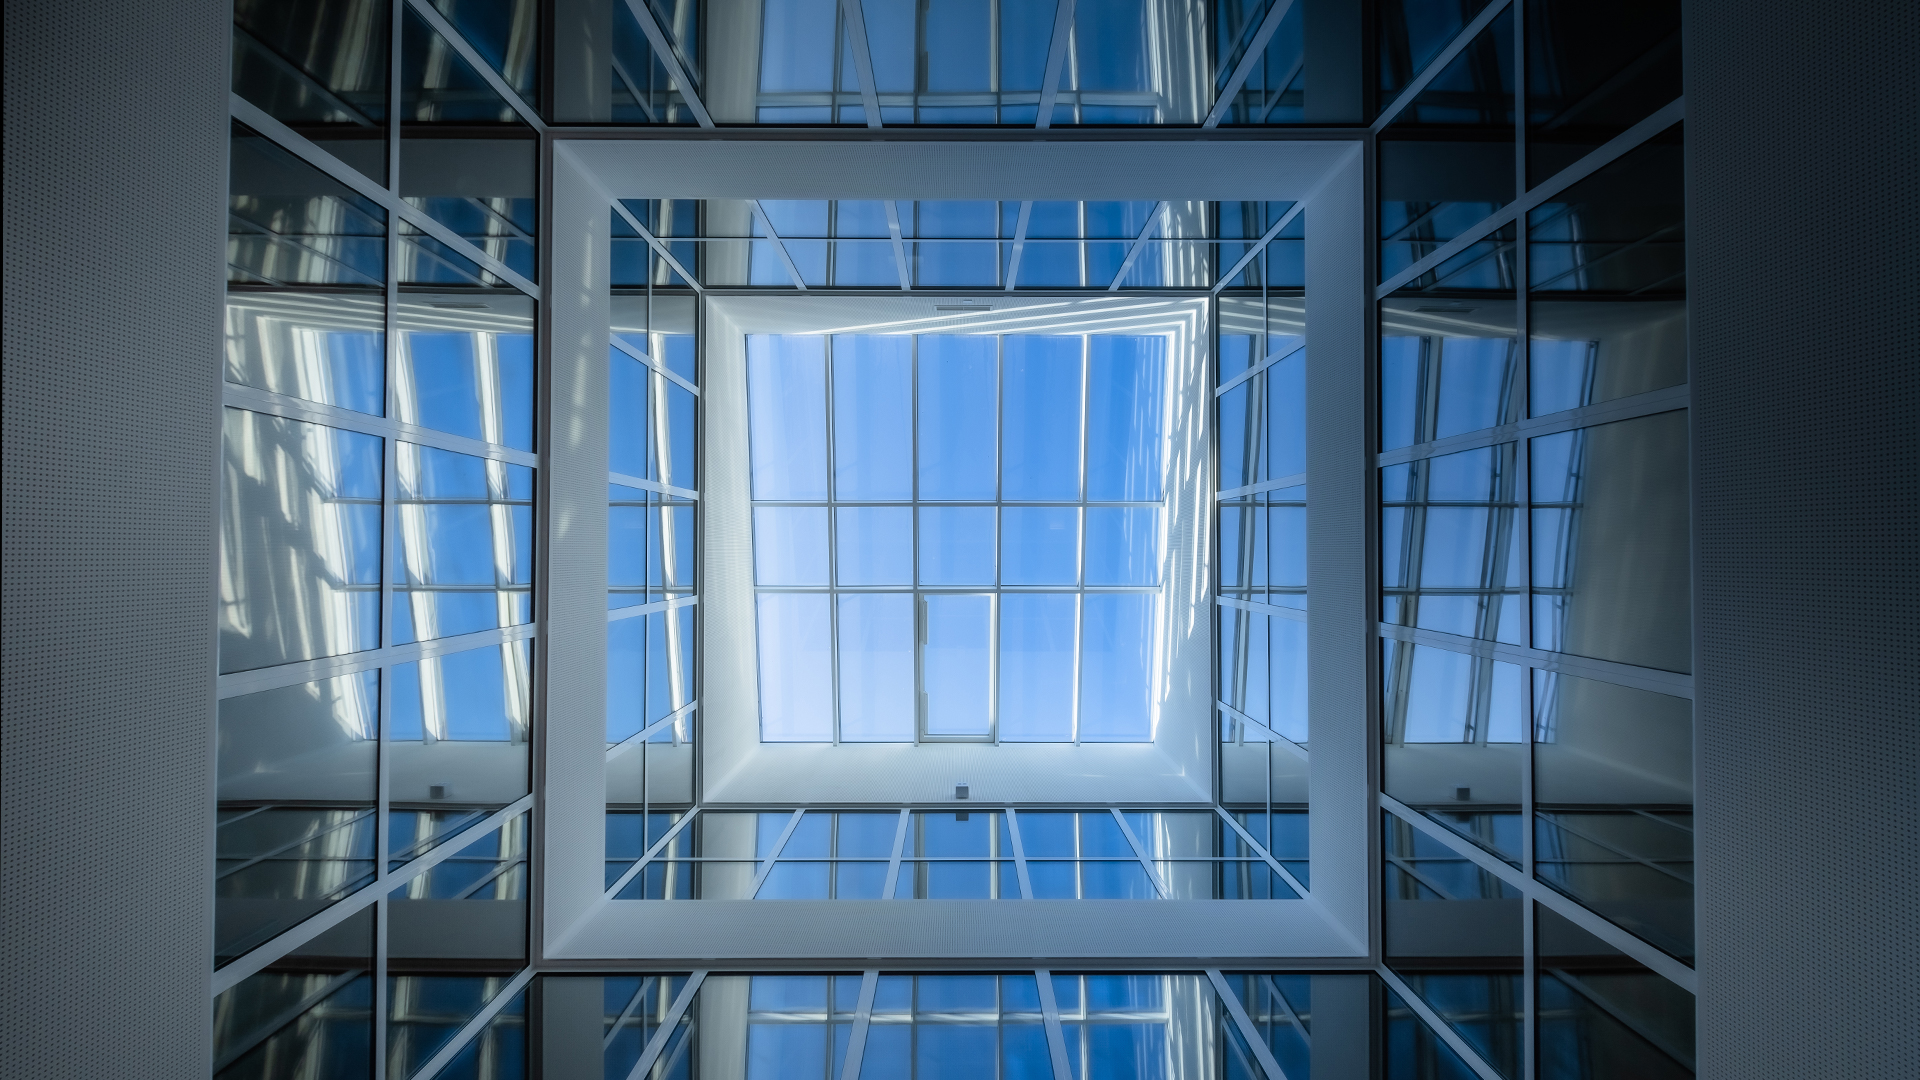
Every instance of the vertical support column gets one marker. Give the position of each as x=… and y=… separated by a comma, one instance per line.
x=107, y=534
x=582, y=69
x=1347, y=1034
x=570, y=785
x=1336, y=61
x=1340, y=617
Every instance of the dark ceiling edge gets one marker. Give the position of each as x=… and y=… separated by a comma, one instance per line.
x=645, y=133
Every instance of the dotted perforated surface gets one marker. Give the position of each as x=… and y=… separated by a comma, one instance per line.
x=114, y=225
x=1805, y=283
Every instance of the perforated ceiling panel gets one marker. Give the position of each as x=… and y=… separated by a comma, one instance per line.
x=115, y=184
x=1801, y=218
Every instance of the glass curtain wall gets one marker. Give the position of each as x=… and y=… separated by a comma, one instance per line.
x=895, y=63
x=380, y=469
x=1535, y=590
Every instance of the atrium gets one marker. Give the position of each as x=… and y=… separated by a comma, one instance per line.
x=989, y=539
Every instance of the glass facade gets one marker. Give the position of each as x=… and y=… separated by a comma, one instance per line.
x=952, y=540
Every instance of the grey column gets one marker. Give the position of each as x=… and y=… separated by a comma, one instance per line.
x=1336, y=46
x=572, y=785
x=1347, y=1028
x=1805, y=319
x=116, y=178
x=572, y=1016
x=1340, y=611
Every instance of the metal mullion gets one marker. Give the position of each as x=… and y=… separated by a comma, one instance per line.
x=1272, y=359
x=1244, y=721
x=1019, y=853
x=919, y=601
x=659, y=845
x=1287, y=1008
x=1140, y=242
x=1668, y=115
x=296, y=241
x=1140, y=852
x=1439, y=64
x=491, y=876
x=1670, y=683
x=772, y=856
x=639, y=738
x=670, y=1020
x=862, y=1019
x=833, y=561
x=1238, y=1011
x=669, y=58
x=1050, y=1007
x=1256, y=51
x=1019, y=243
x=1529, y=979
x=1666, y=399
x=1056, y=70
x=656, y=365
x=779, y=245
x=899, y=247
x=1573, y=910
x=893, y=861
x=290, y=845
x=1258, y=608
x=1439, y=1027
x=1267, y=237
x=625, y=480
x=660, y=249
x=1280, y=483
x=339, y=911
x=286, y=406
x=1266, y=855
x=481, y=67
x=633, y=1004
x=856, y=24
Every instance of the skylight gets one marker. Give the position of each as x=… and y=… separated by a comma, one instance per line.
x=958, y=537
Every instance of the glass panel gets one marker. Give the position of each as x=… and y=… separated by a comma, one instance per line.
x=499, y=1050
x=1602, y=1014
x=1613, y=790
x=786, y=380
x=465, y=365
x=321, y=69
x=464, y=549
x=1611, y=573
x=796, y=667
x=1412, y=1049
x=956, y=545
x=1619, y=233
x=1448, y=539
x=956, y=665
x=874, y=545
x=1149, y=1026
x=313, y=1006
x=873, y=416
x=300, y=541
x=1589, y=79
x=957, y=409
x=1455, y=741
x=1447, y=367
x=876, y=669
x=297, y=772
x=1124, y=417
x=1453, y=932
x=1042, y=404
x=1242, y=434
x=1412, y=34
x=1447, y=160
x=1123, y=545
x=1039, y=545
x=790, y=545
x=457, y=743
x=424, y=1012
x=1037, y=667
x=506, y=34
x=328, y=347
x=1117, y=677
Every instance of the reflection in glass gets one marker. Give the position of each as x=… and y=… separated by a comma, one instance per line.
x=1447, y=367
x=1149, y=1025
x=296, y=790
x=312, y=1008
x=1590, y=78
x=465, y=366
x=1412, y=1048
x=467, y=911
x=956, y=1025
x=967, y=855
x=289, y=224
x=1455, y=731
x=1446, y=161
x=425, y=1011
x=1613, y=794
x=1619, y=232
x=1449, y=544
x=300, y=541
x=328, y=347
x=1453, y=932
x=1602, y=1014
x=458, y=743
x=1611, y=572
x=464, y=546
x=321, y=69
x=1412, y=34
